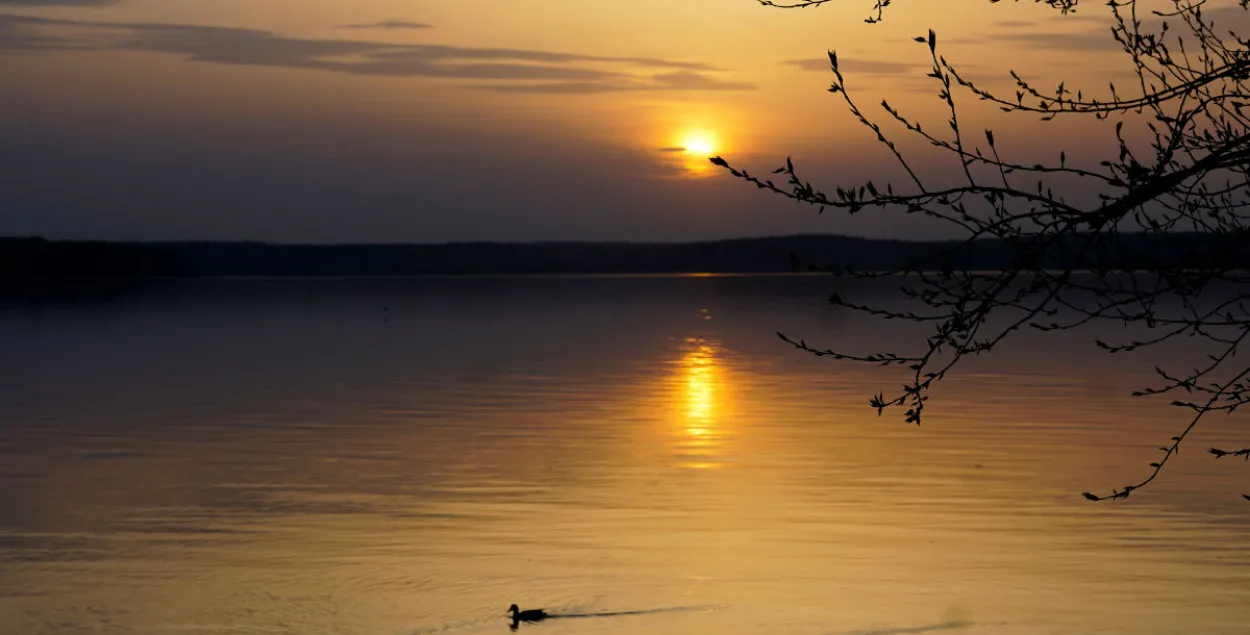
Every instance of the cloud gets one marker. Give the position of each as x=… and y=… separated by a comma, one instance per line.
x=57, y=3
x=690, y=80
x=1028, y=35
x=559, y=72
x=1096, y=17
x=390, y=25
x=16, y=36
x=557, y=88
x=676, y=82
x=672, y=149
x=854, y=65
x=1100, y=40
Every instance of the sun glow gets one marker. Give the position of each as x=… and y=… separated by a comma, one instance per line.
x=700, y=143
x=694, y=146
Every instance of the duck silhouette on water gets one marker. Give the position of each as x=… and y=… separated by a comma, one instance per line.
x=528, y=615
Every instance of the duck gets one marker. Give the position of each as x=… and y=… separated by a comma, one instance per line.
x=528, y=615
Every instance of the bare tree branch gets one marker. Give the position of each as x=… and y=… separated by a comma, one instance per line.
x=1166, y=245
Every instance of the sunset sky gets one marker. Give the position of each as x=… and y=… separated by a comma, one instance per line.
x=447, y=120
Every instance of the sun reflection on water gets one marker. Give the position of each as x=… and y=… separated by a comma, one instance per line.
x=703, y=386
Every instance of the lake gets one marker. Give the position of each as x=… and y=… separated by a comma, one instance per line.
x=634, y=454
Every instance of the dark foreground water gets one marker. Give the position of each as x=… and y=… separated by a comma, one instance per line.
x=641, y=455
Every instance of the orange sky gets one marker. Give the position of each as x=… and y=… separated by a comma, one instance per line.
x=500, y=120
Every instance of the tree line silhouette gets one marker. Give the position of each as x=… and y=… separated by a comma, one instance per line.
x=33, y=259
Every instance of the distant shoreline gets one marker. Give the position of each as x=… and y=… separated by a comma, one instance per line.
x=36, y=259
x=451, y=276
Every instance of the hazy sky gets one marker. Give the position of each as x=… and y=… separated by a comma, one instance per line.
x=438, y=120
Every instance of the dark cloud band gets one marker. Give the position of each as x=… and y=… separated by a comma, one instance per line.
x=560, y=72
x=854, y=65
x=57, y=3
x=389, y=25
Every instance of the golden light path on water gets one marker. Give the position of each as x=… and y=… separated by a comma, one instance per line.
x=703, y=382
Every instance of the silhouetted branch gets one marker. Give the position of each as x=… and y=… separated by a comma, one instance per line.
x=1244, y=453
x=1072, y=264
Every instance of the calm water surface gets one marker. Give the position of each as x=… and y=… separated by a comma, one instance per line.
x=641, y=455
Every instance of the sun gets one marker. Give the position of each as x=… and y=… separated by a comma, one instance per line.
x=700, y=143
x=687, y=149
